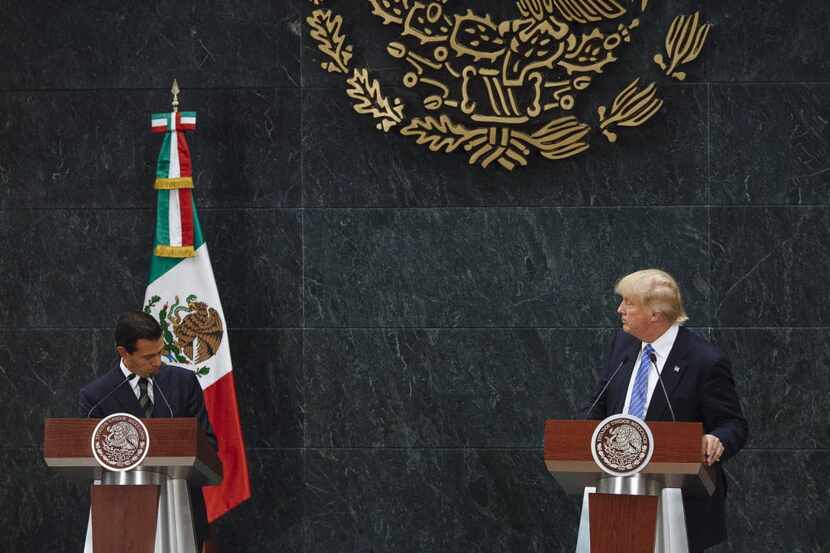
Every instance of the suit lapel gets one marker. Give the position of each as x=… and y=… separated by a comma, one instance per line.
x=125, y=396
x=159, y=405
x=658, y=409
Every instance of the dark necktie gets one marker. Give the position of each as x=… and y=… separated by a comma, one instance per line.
x=144, y=398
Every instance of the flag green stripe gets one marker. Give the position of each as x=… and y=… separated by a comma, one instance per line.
x=163, y=217
x=163, y=165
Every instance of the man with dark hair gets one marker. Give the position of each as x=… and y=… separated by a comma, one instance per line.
x=133, y=326
x=143, y=386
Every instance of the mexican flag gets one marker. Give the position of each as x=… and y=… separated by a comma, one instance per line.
x=183, y=297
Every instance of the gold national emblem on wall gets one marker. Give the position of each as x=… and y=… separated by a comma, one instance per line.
x=501, y=91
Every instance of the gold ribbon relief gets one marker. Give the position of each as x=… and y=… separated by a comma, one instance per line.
x=502, y=91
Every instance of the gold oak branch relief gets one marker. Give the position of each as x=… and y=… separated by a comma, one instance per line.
x=502, y=91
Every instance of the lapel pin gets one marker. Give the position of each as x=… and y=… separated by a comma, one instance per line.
x=676, y=369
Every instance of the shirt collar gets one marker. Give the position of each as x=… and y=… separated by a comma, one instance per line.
x=662, y=345
x=127, y=374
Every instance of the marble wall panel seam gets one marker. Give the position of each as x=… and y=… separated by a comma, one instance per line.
x=768, y=327
x=756, y=82
x=109, y=329
x=163, y=91
x=152, y=209
x=303, y=374
x=467, y=327
x=503, y=449
x=709, y=306
x=493, y=208
x=305, y=530
x=784, y=449
x=436, y=207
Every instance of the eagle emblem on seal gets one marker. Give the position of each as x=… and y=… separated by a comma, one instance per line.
x=120, y=442
x=622, y=445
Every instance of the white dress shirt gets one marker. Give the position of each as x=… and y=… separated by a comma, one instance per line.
x=662, y=346
x=134, y=383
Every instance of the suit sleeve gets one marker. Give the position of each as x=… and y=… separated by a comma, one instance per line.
x=722, y=414
x=196, y=408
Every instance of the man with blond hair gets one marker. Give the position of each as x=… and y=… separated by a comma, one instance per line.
x=697, y=377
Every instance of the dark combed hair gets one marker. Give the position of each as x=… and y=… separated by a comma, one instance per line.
x=133, y=326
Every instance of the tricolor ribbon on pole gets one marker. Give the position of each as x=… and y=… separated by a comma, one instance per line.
x=174, y=182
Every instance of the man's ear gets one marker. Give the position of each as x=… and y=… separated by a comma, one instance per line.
x=121, y=351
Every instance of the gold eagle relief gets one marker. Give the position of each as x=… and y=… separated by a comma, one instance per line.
x=504, y=90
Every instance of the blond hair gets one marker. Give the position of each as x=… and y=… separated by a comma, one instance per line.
x=655, y=289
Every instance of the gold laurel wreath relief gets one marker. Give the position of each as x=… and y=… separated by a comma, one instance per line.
x=631, y=108
x=558, y=139
x=325, y=29
x=684, y=42
x=502, y=91
x=371, y=101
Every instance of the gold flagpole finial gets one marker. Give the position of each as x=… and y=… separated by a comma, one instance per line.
x=175, y=90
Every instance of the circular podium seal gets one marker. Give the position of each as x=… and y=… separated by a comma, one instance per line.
x=120, y=442
x=622, y=445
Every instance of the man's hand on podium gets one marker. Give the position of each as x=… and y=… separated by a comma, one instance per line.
x=712, y=449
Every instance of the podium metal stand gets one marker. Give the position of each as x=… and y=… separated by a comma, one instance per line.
x=642, y=513
x=147, y=509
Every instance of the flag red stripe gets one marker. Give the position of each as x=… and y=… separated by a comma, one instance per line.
x=220, y=402
x=186, y=211
x=185, y=168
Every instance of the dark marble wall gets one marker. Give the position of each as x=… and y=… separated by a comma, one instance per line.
x=402, y=323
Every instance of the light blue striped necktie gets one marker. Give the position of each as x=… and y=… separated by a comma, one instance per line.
x=639, y=394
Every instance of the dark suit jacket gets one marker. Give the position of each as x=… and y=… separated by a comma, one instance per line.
x=182, y=390
x=702, y=390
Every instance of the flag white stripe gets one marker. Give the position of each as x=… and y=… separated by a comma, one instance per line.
x=175, y=168
x=174, y=218
x=188, y=120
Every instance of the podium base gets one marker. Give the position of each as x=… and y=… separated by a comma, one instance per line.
x=174, y=523
x=670, y=524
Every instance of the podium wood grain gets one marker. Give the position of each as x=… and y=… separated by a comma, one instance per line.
x=622, y=523
x=124, y=518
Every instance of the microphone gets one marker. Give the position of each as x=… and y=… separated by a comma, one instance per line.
x=599, y=395
x=653, y=358
x=164, y=397
x=130, y=377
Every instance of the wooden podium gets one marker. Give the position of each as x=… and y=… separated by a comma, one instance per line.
x=642, y=513
x=147, y=509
